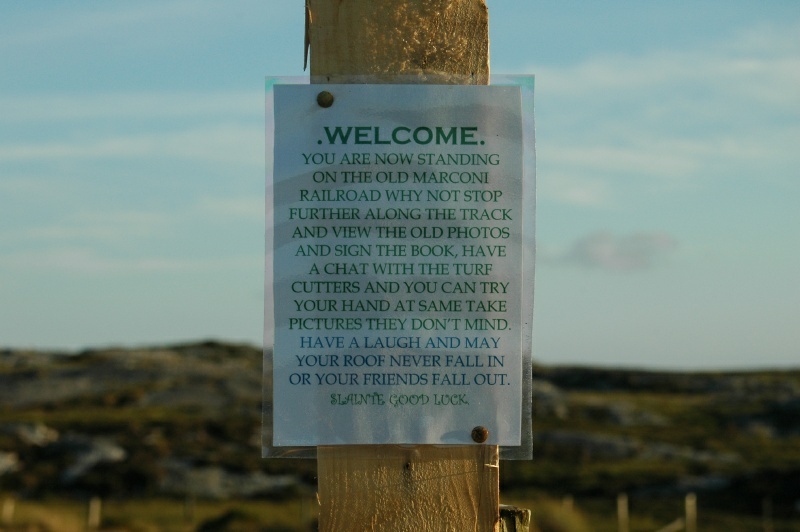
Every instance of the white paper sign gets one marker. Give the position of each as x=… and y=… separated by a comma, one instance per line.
x=397, y=265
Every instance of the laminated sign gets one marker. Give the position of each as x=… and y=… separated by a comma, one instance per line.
x=399, y=304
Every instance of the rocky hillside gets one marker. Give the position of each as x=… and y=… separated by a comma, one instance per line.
x=185, y=420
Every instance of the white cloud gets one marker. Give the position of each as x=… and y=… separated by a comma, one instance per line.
x=248, y=208
x=96, y=227
x=151, y=24
x=646, y=158
x=234, y=144
x=24, y=185
x=761, y=61
x=569, y=189
x=217, y=127
x=697, y=115
x=85, y=261
x=606, y=251
x=140, y=106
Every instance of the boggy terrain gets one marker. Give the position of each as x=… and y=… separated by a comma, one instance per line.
x=184, y=421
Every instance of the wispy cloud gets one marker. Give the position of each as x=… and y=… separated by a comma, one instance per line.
x=760, y=60
x=235, y=144
x=671, y=116
x=96, y=227
x=248, y=208
x=611, y=252
x=143, y=107
x=575, y=189
x=87, y=261
x=144, y=24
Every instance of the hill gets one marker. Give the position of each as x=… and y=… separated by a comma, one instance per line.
x=184, y=420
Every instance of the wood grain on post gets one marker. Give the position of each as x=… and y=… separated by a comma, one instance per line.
x=408, y=489
x=392, y=487
x=396, y=41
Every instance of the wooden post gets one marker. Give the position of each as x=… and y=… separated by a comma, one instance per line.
x=8, y=511
x=568, y=503
x=622, y=512
x=766, y=506
x=189, y=504
x=434, y=41
x=513, y=519
x=691, y=512
x=420, y=488
x=391, y=487
x=95, y=513
x=675, y=526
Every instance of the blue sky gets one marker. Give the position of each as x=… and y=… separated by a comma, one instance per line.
x=132, y=173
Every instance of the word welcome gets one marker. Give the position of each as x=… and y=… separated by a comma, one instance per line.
x=464, y=136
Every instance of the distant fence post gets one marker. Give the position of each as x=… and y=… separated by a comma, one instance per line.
x=94, y=515
x=674, y=526
x=691, y=512
x=188, y=508
x=8, y=510
x=568, y=503
x=766, y=507
x=622, y=512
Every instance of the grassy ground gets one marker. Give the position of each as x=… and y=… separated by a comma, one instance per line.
x=600, y=515
x=549, y=515
x=154, y=515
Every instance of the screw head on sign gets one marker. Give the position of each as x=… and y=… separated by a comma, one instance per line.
x=480, y=434
x=325, y=99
